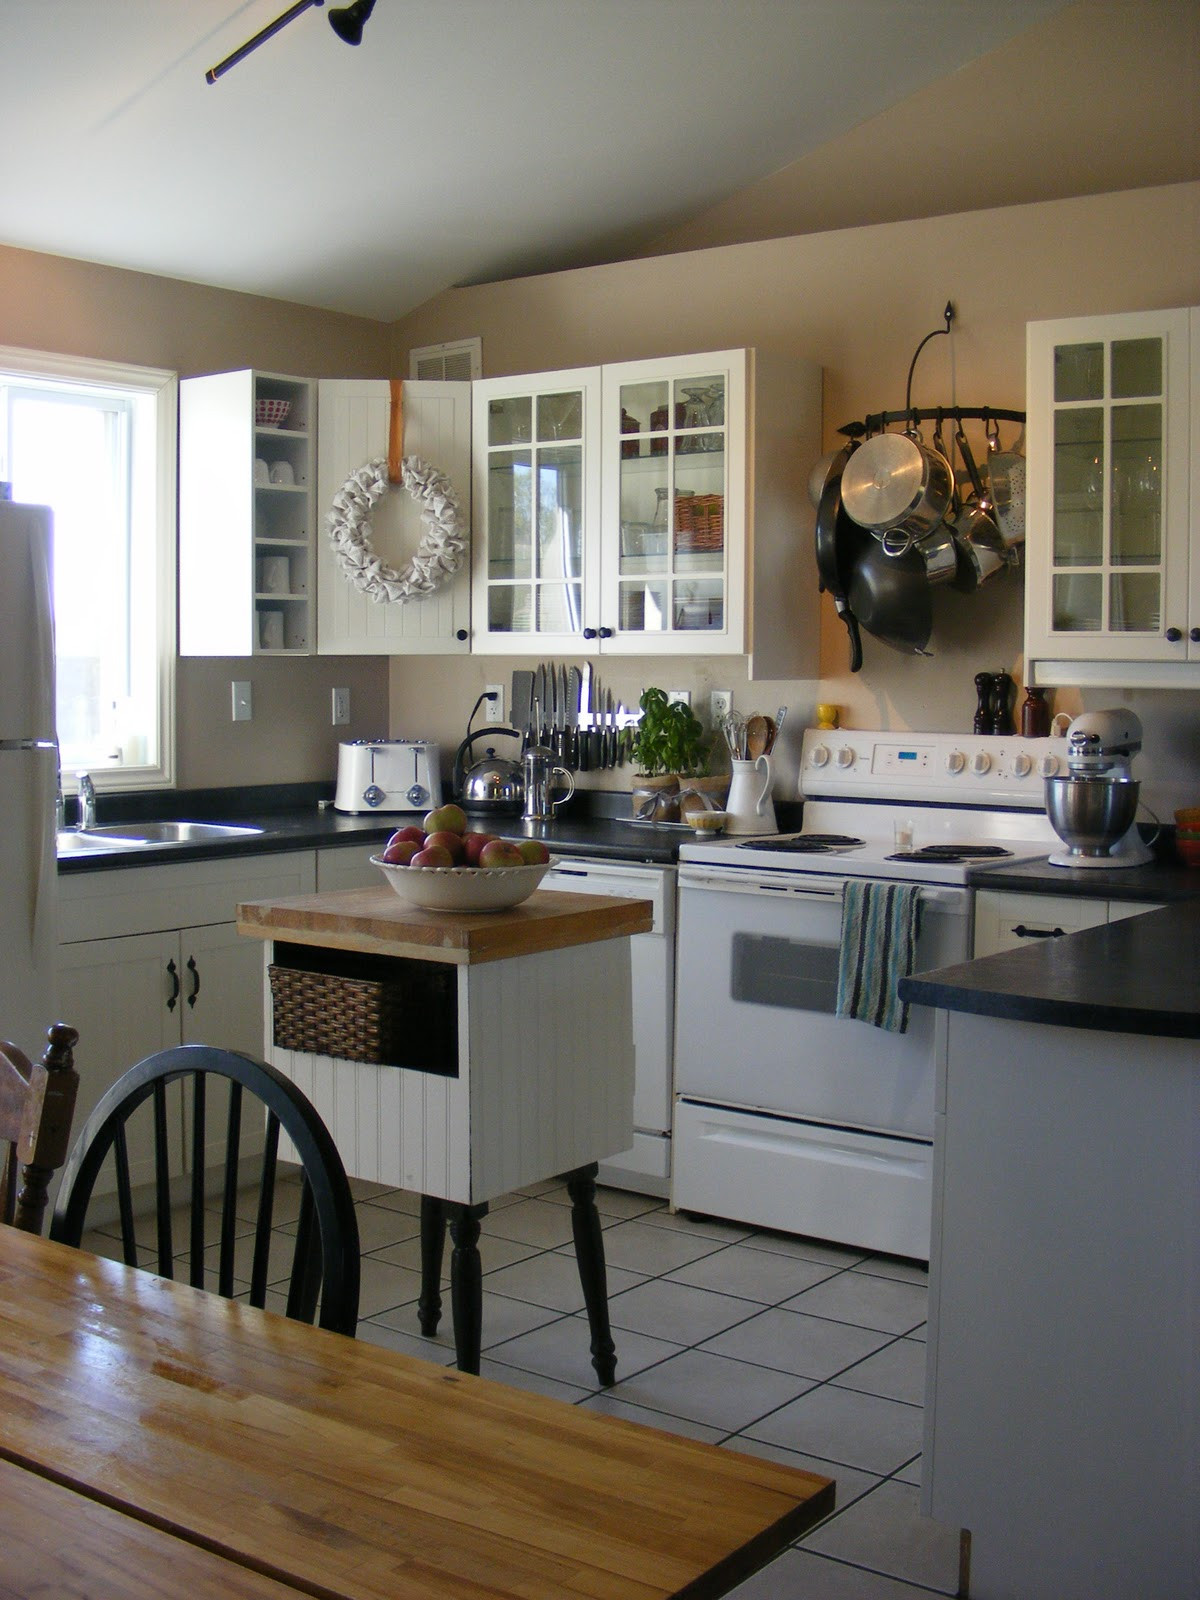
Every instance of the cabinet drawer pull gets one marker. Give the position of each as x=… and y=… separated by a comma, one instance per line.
x=1022, y=932
x=195, y=972
x=174, y=995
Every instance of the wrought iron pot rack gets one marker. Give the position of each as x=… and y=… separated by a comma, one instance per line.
x=912, y=416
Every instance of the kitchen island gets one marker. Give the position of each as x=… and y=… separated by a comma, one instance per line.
x=1063, y=1382
x=498, y=1052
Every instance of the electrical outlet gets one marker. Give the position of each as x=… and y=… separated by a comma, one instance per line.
x=494, y=709
x=243, y=701
x=340, y=707
x=683, y=695
x=720, y=704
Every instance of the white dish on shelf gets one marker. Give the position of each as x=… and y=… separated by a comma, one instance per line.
x=463, y=888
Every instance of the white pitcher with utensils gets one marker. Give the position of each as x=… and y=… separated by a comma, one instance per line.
x=750, y=807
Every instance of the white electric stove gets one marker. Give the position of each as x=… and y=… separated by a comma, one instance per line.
x=788, y=1115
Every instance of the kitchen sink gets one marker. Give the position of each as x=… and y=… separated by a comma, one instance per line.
x=146, y=835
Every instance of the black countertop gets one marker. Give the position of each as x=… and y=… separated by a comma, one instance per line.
x=1138, y=975
x=301, y=817
x=1162, y=880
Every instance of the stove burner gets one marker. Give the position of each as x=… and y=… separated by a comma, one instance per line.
x=806, y=843
x=952, y=852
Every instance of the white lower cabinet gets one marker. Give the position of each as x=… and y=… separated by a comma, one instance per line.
x=150, y=957
x=348, y=867
x=646, y=1166
x=1006, y=920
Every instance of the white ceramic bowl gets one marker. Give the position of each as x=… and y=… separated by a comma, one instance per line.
x=463, y=888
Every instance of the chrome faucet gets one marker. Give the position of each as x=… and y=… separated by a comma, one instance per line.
x=87, y=801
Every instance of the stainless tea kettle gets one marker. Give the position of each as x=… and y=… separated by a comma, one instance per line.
x=494, y=785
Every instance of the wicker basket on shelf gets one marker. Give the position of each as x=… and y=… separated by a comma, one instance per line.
x=699, y=522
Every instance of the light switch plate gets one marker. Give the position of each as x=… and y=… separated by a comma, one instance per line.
x=339, y=707
x=243, y=701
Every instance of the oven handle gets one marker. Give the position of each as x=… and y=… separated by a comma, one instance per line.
x=738, y=881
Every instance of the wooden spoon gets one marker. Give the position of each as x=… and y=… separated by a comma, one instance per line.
x=757, y=733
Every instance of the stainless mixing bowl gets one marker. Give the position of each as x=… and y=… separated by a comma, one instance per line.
x=1090, y=814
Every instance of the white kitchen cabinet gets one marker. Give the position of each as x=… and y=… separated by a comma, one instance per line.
x=354, y=428
x=650, y=507
x=150, y=957
x=246, y=516
x=1005, y=920
x=1112, y=591
x=646, y=1166
x=348, y=867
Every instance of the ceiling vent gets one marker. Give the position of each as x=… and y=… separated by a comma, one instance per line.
x=460, y=361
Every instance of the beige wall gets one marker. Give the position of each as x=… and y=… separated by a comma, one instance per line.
x=76, y=307
x=858, y=301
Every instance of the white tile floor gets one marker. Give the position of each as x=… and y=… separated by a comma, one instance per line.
x=763, y=1342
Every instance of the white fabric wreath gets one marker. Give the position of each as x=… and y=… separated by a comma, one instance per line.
x=443, y=545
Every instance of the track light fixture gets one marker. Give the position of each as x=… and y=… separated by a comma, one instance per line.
x=348, y=21
x=262, y=35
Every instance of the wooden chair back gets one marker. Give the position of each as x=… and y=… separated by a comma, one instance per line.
x=37, y=1105
x=229, y=1238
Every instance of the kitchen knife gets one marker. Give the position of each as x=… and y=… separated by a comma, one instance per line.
x=521, y=704
x=585, y=704
x=572, y=742
x=561, y=712
x=538, y=705
x=610, y=731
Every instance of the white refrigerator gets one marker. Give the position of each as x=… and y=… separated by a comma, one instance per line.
x=28, y=778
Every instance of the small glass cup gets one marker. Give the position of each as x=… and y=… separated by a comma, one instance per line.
x=902, y=833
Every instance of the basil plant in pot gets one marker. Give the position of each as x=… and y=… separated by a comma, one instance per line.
x=671, y=750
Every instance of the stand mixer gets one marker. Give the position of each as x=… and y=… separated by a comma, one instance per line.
x=1093, y=807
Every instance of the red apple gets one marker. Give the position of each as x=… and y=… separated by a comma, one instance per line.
x=400, y=851
x=448, y=819
x=473, y=843
x=451, y=842
x=410, y=833
x=500, y=853
x=432, y=856
x=533, y=852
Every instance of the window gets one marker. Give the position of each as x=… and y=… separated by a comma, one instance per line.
x=96, y=442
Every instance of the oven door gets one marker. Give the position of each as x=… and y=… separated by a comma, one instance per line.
x=756, y=994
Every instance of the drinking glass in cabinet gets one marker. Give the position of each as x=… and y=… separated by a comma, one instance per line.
x=1079, y=470
x=560, y=416
x=510, y=421
x=1078, y=372
x=1137, y=491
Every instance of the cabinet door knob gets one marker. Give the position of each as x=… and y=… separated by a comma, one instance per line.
x=195, y=972
x=1194, y=635
x=1174, y=635
x=606, y=633
x=589, y=633
x=174, y=995
x=461, y=634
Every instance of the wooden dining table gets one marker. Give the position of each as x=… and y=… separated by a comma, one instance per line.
x=158, y=1441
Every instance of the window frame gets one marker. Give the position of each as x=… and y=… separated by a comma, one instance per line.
x=162, y=386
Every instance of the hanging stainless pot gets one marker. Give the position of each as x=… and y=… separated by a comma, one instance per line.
x=936, y=551
x=897, y=483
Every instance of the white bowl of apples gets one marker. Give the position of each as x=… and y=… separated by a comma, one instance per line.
x=440, y=864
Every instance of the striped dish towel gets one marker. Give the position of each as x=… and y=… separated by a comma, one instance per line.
x=879, y=938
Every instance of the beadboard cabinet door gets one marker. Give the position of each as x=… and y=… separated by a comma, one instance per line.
x=353, y=424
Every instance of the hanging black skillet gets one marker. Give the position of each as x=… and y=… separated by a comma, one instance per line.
x=837, y=537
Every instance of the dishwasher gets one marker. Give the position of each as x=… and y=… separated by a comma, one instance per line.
x=646, y=1166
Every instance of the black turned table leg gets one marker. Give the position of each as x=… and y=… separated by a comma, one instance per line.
x=433, y=1239
x=466, y=1285
x=589, y=1253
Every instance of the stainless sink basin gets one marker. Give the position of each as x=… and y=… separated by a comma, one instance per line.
x=145, y=835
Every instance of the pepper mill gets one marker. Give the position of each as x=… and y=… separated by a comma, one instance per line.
x=1035, y=714
x=1002, y=721
x=983, y=711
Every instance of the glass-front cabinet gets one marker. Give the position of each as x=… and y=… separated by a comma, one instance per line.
x=537, y=509
x=673, y=504
x=1108, y=571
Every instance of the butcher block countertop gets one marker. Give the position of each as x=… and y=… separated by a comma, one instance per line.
x=378, y=922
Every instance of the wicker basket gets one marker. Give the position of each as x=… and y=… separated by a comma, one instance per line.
x=328, y=1015
x=700, y=522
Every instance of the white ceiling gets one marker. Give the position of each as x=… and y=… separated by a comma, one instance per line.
x=462, y=141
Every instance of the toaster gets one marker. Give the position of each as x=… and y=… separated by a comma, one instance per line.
x=388, y=775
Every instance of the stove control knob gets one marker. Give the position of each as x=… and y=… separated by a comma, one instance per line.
x=1047, y=765
x=1022, y=766
x=955, y=761
x=845, y=756
x=981, y=762
x=819, y=755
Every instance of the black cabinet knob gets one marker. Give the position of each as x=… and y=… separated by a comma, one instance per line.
x=1174, y=635
x=461, y=634
x=606, y=633
x=589, y=633
x=1194, y=635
